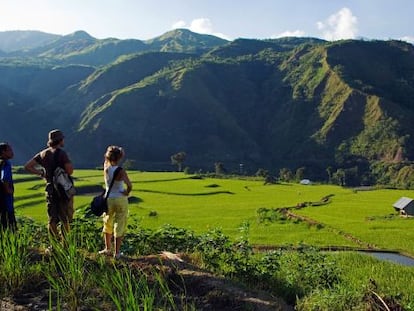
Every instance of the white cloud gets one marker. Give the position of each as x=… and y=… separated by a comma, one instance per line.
x=178, y=24
x=409, y=39
x=341, y=25
x=288, y=33
x=200, y=25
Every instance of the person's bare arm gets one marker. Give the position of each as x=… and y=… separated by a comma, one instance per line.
x=69, y=168
x=33, y=167
x=128, y=183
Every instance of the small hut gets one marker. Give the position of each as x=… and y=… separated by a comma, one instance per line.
x=405, y=206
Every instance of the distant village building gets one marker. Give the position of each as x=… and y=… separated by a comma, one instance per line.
x=405, y=206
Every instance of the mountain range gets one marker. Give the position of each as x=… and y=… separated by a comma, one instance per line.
x=340, y=109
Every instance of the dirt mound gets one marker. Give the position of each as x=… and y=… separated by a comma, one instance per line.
x=205, y=290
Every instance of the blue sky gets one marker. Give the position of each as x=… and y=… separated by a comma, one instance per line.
x=229, y=19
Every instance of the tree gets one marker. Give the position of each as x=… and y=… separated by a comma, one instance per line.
x=178, y=159
x=300, y=173
x=285, y=174
x=269, y=179
x=261, y=172
x=339, y=177
x=219, y=168
x=329, y=171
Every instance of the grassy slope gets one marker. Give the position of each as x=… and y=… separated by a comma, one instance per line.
x=203, y=204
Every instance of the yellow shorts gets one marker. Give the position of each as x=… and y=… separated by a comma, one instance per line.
x=115, y=220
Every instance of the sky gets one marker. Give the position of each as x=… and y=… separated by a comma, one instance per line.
x=228, y=19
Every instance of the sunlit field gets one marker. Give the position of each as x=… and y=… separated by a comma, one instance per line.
x=330, y=217
x=350, y=219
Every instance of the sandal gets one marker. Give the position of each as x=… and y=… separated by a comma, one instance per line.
x=105, y=251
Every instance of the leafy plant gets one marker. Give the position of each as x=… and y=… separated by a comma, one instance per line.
x=305, y=271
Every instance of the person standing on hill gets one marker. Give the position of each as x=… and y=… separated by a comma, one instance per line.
x=7, y=217
x=43, y=164
x=115, y=219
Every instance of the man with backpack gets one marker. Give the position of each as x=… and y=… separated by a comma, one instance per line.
x=59, y=206
x=7, y=217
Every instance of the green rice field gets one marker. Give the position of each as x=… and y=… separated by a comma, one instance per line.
x=356, y=219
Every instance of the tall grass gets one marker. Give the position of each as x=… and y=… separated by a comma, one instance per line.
x=362, y=278
x=68, y=273
x=79, y=279
x=130, y=290
x=15, y=271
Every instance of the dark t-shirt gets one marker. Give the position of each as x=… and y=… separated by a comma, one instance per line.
x=46, y=158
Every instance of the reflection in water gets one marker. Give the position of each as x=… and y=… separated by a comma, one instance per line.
x=395, y=258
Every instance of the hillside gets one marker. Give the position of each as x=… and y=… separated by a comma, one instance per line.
x=290, y=102
x=11, y=41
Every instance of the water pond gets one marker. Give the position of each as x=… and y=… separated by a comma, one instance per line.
x=393, y=257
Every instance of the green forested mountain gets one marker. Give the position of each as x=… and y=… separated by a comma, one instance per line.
x=339, y=110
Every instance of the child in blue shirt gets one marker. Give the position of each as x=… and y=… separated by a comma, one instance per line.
x=7, y=217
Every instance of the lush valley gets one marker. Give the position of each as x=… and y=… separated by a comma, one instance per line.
x=341, y=111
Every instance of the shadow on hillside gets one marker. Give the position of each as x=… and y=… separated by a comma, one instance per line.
x=186, y=194
x=37, y=187
x=163, y=180
x=28, y=196
x=96, y=189
x=89, y=189
x=25, y=179
x=30, y=203
x=134, y=199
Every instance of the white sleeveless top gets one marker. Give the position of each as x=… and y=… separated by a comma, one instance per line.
x=117, y=187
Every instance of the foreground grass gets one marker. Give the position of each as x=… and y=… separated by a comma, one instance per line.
x=71, y=278
x=74, y=278
x=363, y=279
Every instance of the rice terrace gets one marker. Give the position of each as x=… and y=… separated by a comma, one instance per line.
x=206, y=242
